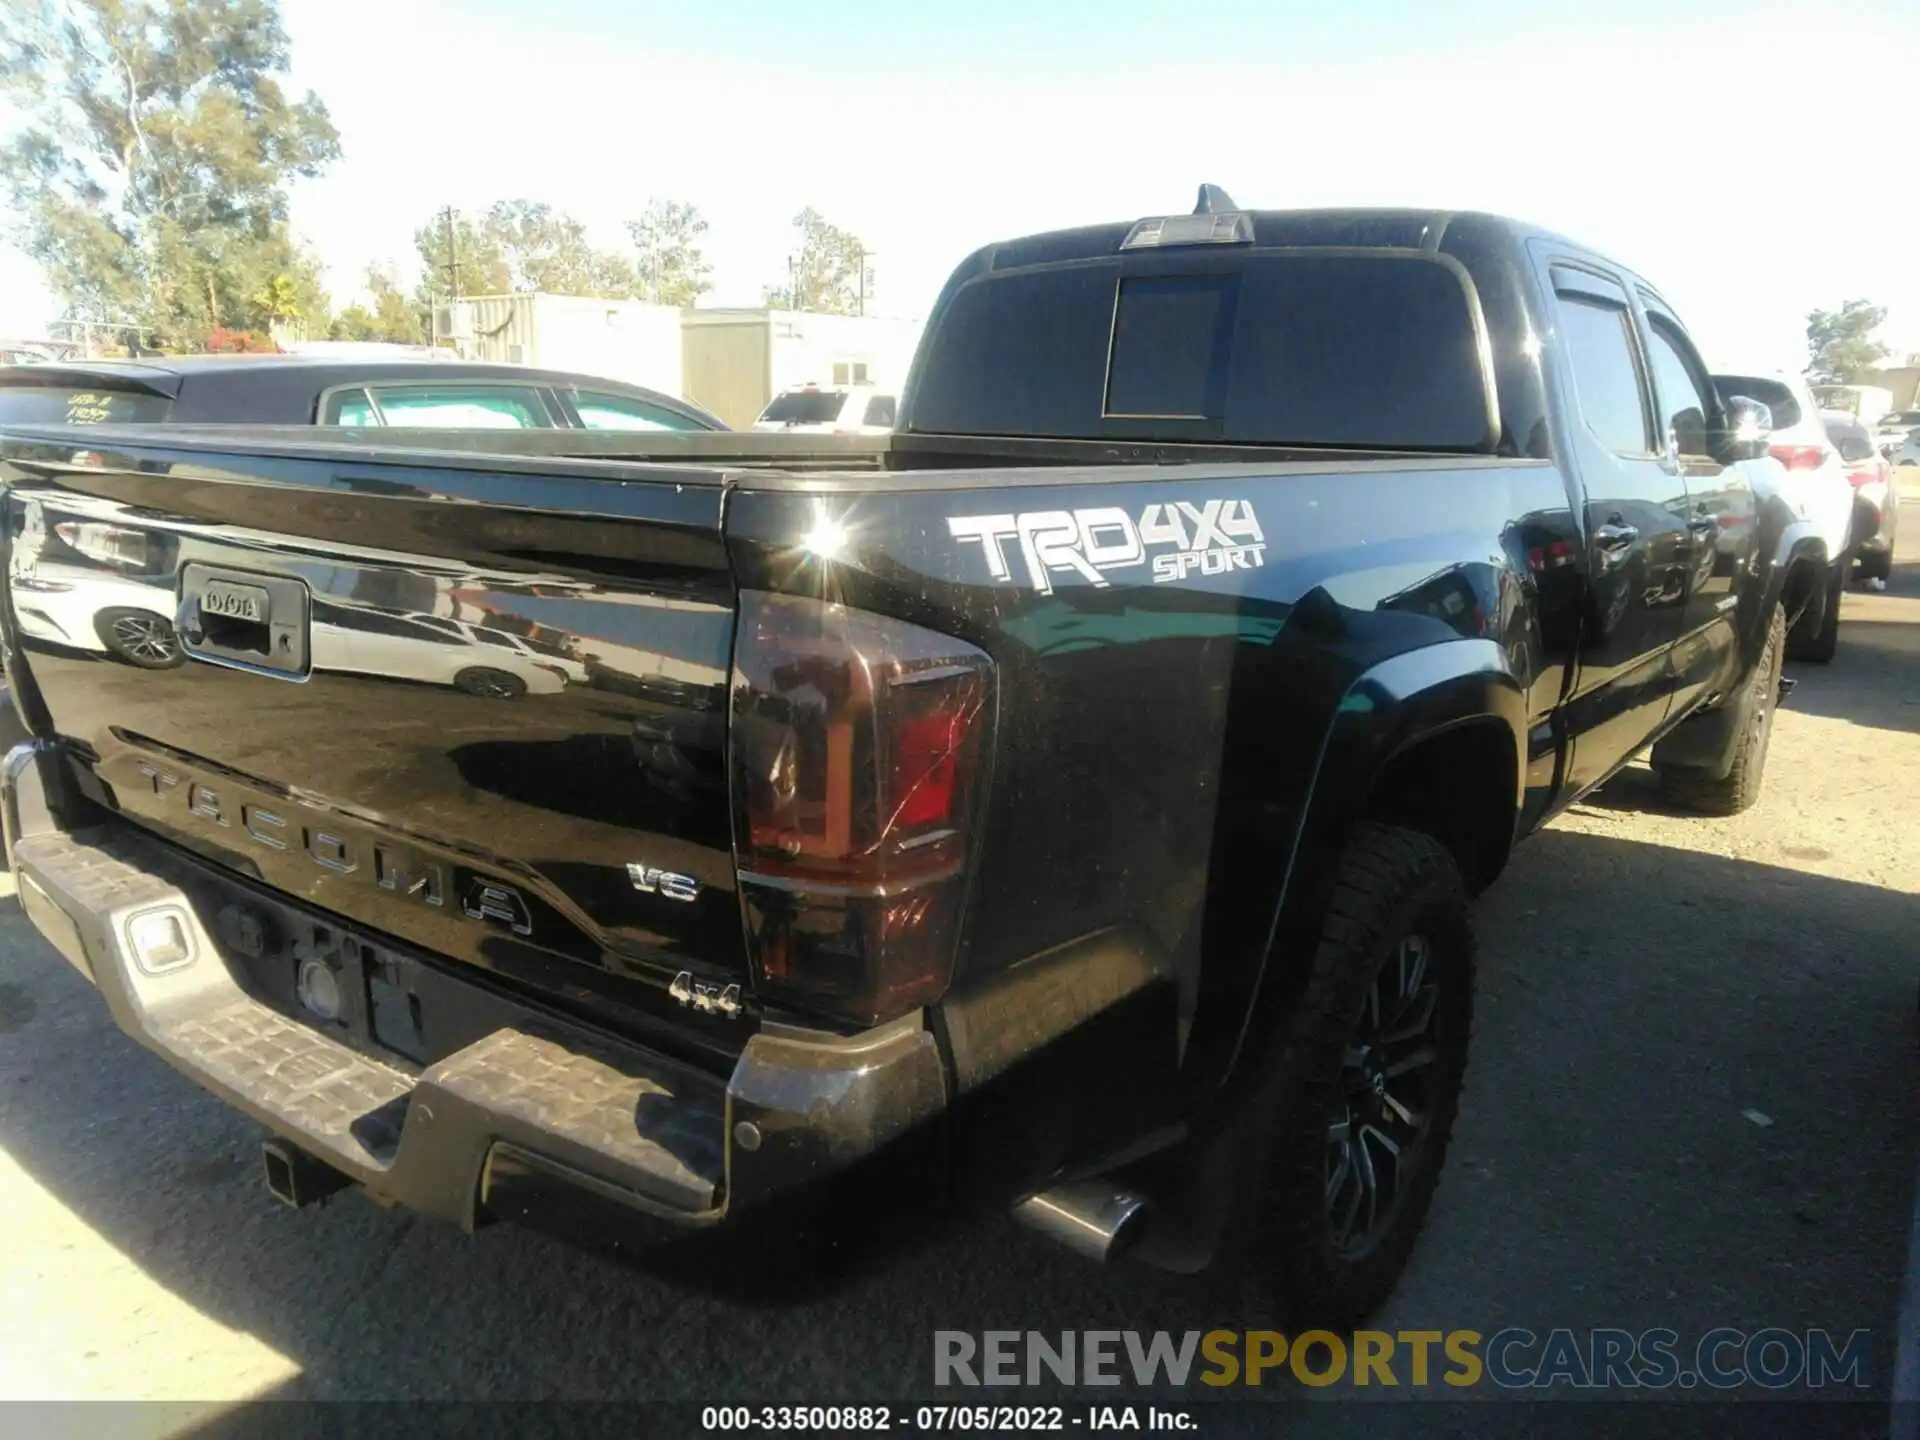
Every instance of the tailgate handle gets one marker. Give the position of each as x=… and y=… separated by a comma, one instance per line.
x=243, y=620
x=233, y=633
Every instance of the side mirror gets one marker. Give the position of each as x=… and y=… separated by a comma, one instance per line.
x=1749, y=428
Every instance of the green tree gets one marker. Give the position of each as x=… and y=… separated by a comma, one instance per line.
x=1840, y=344
x=399, y=320
x=394, y=319
x=517, y=246
x=826, y=274
x=356, y=322
x=673, y=268
x=149, y=173
x=458, y=258
x=280, y=301
x=548, y=250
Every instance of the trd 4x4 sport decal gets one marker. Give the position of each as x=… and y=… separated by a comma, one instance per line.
x=1179, y=540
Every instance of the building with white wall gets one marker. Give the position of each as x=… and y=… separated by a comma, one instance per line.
x=628, y=340
x=734, y=361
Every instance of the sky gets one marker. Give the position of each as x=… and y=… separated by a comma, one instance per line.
x=1737, y=155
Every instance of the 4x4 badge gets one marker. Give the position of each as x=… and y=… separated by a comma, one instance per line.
x=707, y=999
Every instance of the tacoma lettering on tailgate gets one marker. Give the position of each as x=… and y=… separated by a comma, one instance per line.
x=330, y=844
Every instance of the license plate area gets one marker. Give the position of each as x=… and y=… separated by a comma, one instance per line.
x=247, y=621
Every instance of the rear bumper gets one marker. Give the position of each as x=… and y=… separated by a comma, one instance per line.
x=536, y=1114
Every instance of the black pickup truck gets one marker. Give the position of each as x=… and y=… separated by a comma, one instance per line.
x=1070, y=802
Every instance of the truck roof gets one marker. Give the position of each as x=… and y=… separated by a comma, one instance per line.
x=1366, y=227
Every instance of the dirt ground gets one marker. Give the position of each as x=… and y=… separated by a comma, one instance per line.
x=1651, y=983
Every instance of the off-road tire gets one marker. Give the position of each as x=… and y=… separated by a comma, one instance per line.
x=1817, y=647
x=1392, y=884
x=1739, y=788
x=492, y=683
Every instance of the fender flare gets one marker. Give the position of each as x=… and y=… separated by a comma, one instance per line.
x=1402, y=701
x=1388, y=709
x=1800, y=543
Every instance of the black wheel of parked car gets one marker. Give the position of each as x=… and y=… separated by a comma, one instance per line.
x=494, y=684
x=1818, y=646
x=138, y=637
x=1877, y=565
x=1375, y=1059
x=1740, y=786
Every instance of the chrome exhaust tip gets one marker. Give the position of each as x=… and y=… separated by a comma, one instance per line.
x=1096, y=1218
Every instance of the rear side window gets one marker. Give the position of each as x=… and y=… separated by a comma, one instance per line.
x=1597, y=341
x=1314, y=350
x=76, y=405
x=880, y=410
x=462, y=407
x=805, y=407
x=350, y=407
x=1851, y=439
x=623, y=412
x=1773, y=394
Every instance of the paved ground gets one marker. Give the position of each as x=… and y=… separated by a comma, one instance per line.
x=1648, y=981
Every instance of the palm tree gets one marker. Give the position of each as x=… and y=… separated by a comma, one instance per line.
x=280, y=301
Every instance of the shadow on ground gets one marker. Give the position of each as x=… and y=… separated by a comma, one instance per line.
x=1873, y=680
x=1636, y=1002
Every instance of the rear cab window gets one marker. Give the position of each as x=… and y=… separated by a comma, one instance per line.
x=1315, y=349
x=79, y=405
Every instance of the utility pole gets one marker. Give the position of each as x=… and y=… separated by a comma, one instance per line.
x=452, y=267
x=453, y=254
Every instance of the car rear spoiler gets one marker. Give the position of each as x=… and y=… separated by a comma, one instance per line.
x=126, y=379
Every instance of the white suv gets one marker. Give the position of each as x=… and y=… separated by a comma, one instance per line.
x=830, y=410
x=1808, y=476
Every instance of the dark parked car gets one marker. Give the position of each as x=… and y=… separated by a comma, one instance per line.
x=303, y=390
x=1109, y=755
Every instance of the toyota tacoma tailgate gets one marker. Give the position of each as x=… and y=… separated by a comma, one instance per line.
x=476, y=710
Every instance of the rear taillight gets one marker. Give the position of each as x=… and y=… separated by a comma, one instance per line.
x=858, y=744
x=1799, y=457
x=108, y=544
x=1873, y=474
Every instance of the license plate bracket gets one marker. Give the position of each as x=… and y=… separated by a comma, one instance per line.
x=245, y=621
